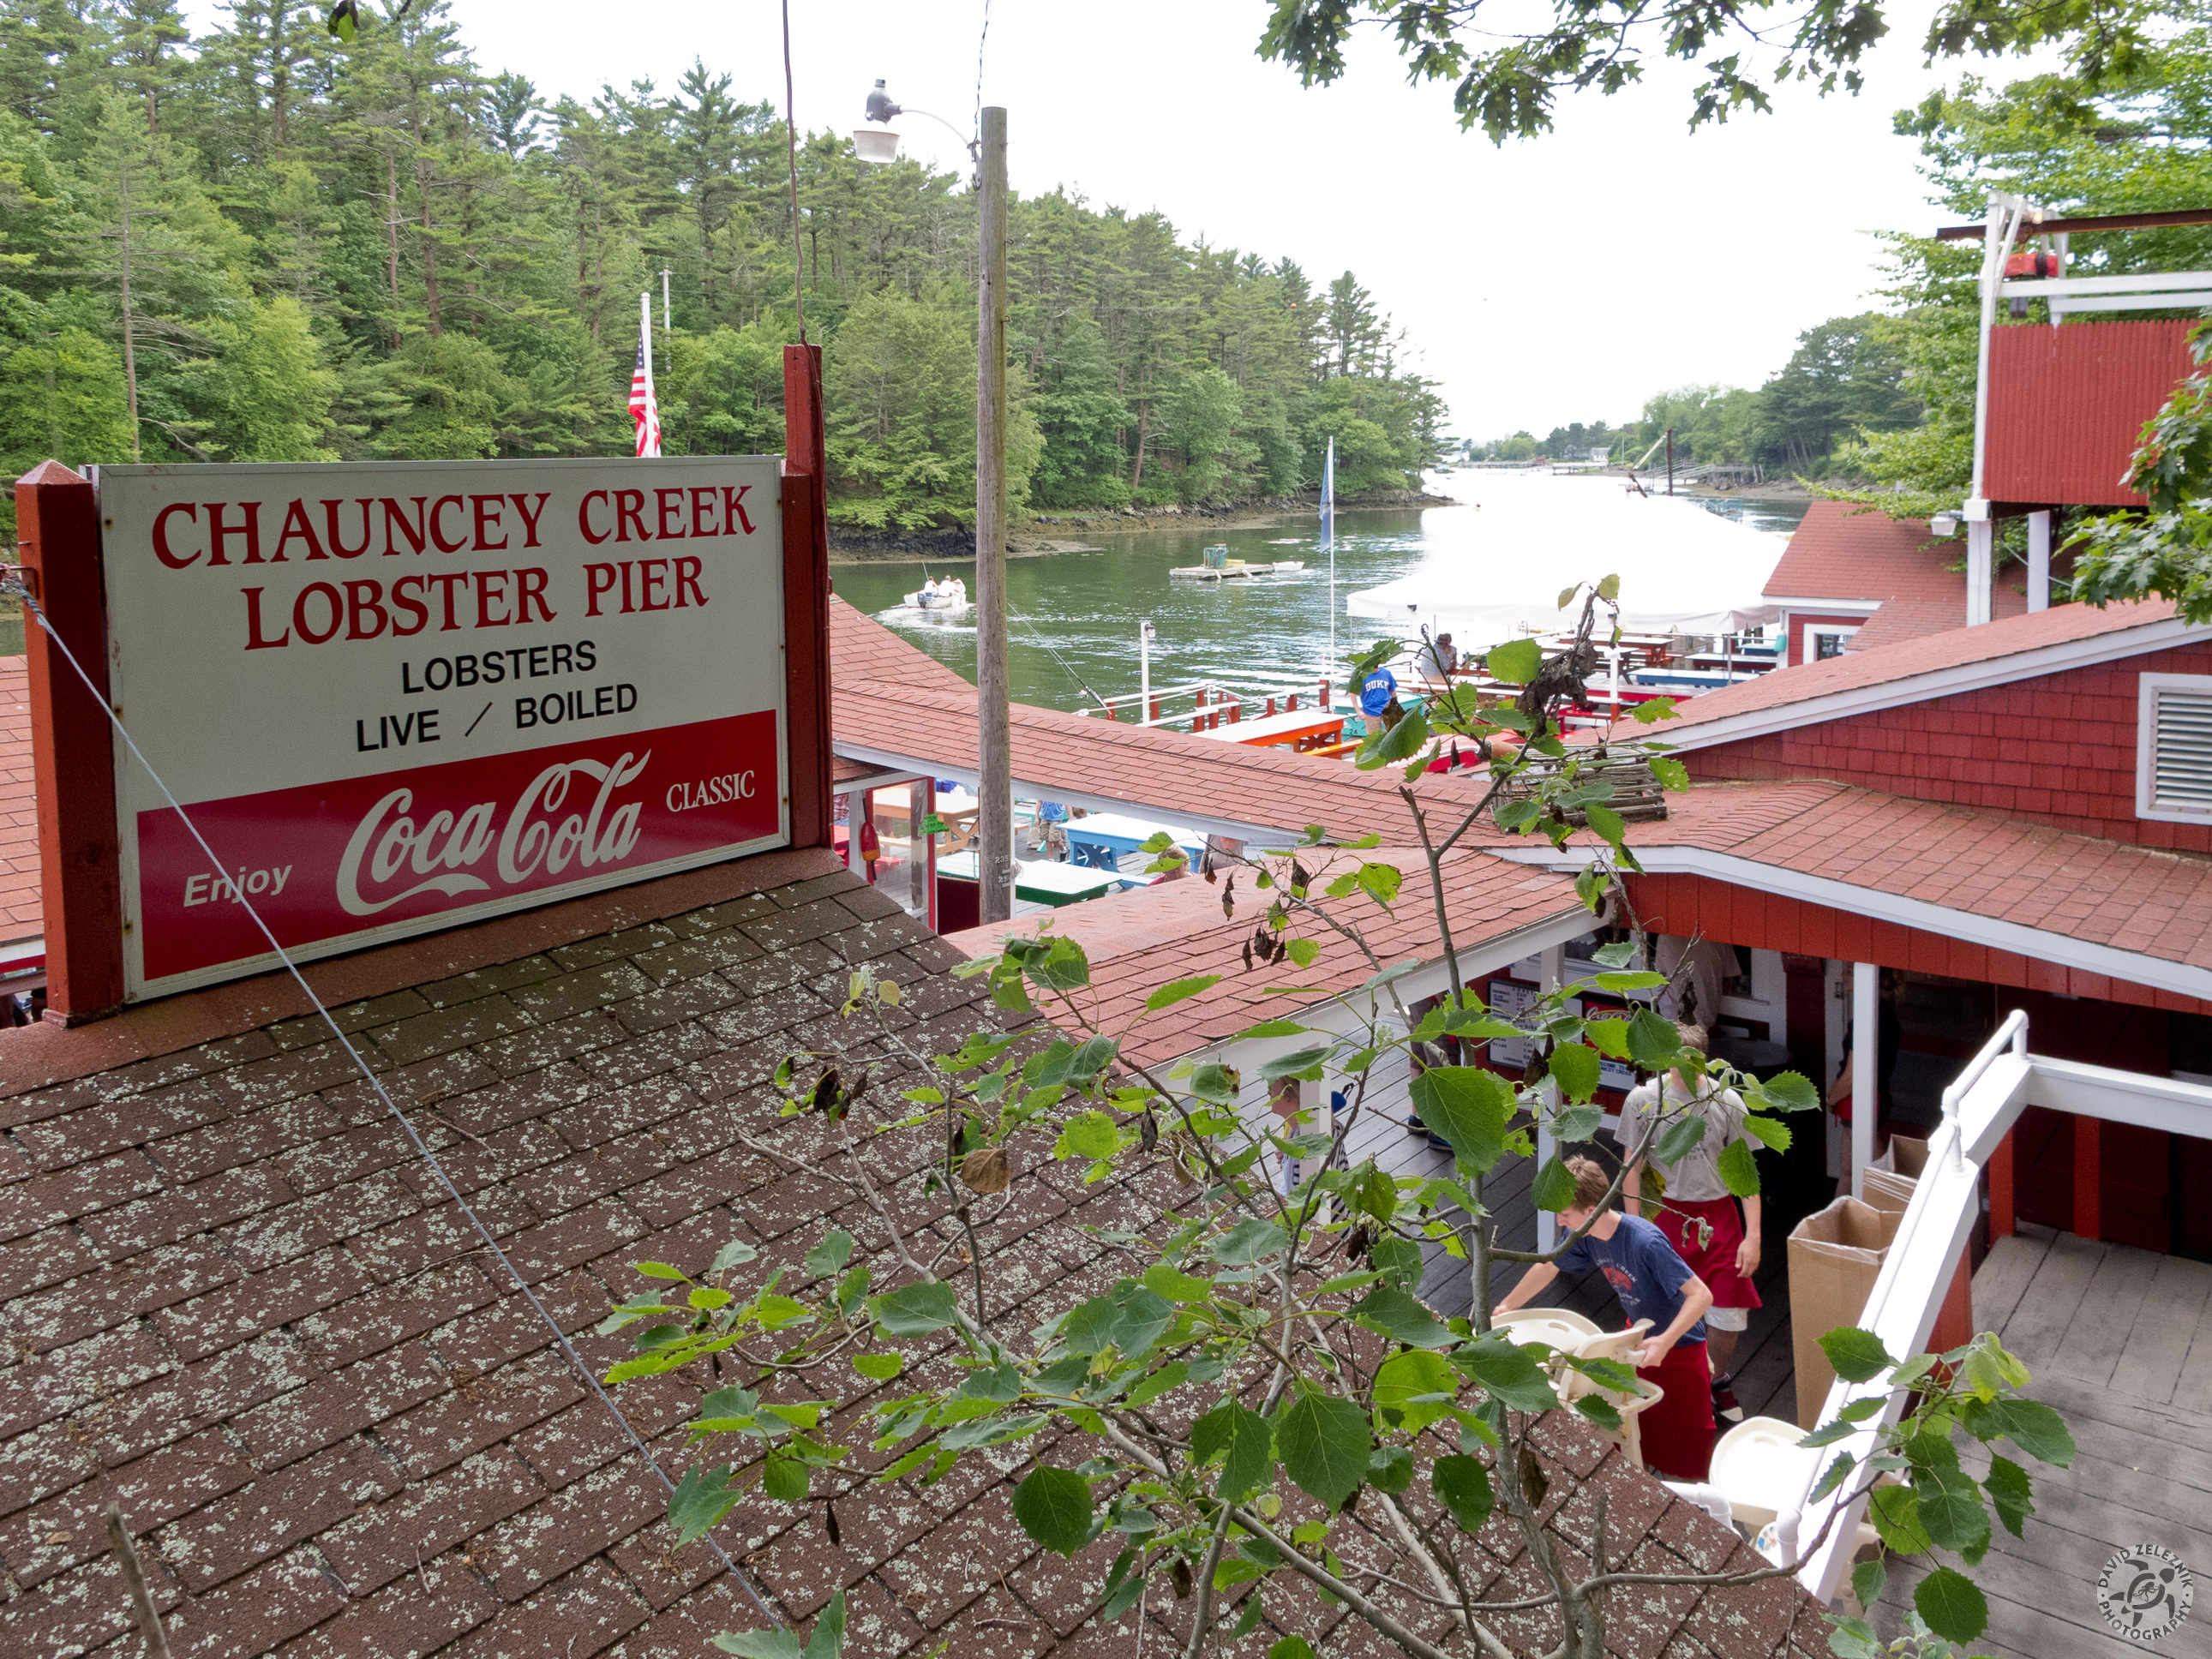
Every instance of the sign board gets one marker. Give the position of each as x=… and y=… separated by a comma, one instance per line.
x=396, y=696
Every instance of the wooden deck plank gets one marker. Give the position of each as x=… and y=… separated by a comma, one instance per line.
x=2099, y=1329
x=2157, y=1350
x=2105, y=1426
x=2043, y=1584
x=2003, y=1277
x=1766, y=1374
x=2037, y=1329
x=2192, y=1390
x=2025, y=1618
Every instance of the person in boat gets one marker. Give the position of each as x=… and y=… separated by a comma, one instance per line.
x=1444, y=655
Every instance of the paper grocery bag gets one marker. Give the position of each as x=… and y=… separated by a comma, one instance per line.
x=1835, y=1255
x=1889, y=1187
x=1886, y=1189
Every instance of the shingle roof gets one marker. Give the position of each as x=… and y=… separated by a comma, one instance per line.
x=1137, y=941
x=2099, y=893
x=1897, y=664
x=889, y=698
x=1850, y=554
x=1846, y=554
x=238, y=1303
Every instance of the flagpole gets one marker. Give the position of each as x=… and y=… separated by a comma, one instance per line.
x=644, y=404
x=1328, y=536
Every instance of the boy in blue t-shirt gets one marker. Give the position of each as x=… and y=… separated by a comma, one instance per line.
x=1653, y=1283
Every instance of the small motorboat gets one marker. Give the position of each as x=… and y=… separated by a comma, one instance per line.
x=951, y=594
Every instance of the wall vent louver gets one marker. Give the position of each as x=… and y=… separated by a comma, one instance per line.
x=2174, y=762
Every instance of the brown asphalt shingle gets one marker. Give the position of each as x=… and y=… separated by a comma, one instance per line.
x=238, y=1303
x=2102, y=892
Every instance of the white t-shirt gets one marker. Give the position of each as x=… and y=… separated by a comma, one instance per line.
x=1696, y=1178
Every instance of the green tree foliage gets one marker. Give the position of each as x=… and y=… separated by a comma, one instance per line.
x=901, y=390
x=262, y=391
x=1508, y=79
x=1255, y=1363
x=2130, y=138
x=384, y=248
x=1845, y=377
x=1846, y=381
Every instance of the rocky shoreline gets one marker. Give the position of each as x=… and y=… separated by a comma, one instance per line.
x=1064, y=533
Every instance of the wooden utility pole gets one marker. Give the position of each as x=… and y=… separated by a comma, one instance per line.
x=995, y=818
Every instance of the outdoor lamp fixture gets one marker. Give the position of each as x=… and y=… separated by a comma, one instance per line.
x=879, y=146
x=1944, y=523
x=994, y=781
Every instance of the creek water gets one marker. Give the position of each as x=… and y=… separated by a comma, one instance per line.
x=1073, y=617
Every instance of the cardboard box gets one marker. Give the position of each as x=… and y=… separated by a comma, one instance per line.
x=1890, y=1178
x=1889, y=1187
x=1908, y=1155
x=1835, y=1255
x=1887, y=1190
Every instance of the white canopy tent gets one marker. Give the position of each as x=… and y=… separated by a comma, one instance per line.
x=1498, y=562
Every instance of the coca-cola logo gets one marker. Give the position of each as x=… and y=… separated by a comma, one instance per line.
x=390, y=858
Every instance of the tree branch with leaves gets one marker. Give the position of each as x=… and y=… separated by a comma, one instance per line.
x=1264, y=1395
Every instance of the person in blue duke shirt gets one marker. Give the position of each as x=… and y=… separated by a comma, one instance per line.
x=1653, y=1283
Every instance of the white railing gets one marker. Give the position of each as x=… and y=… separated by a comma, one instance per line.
x=1980, y=1108
x=2145, y=290
x=1210, y=702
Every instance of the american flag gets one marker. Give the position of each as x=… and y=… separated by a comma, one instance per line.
x=643, y=409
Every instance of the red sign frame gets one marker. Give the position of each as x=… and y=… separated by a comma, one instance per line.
x=73, y=747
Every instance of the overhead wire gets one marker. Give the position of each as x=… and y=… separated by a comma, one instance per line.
x=975, y=125
x=791, y=147
x=567, y=1351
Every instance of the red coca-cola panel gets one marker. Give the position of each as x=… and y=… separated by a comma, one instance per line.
x=325, y=861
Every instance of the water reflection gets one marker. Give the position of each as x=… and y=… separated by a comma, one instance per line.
x=1074, y=616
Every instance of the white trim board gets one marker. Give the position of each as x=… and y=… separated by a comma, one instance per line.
x=1491, y=955
x=1940, y=683
x=2135, y=968
x=1026, y=789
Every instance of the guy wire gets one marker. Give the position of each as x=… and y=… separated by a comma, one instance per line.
x=567, y=1352
x=1061, y=660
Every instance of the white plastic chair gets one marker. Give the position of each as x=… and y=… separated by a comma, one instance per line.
x=1765, y=1473
x=1762, y=1470
x=1632, y=1402
x=1563, y=1328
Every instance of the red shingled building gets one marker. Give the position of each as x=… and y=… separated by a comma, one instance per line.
x=1979, y=813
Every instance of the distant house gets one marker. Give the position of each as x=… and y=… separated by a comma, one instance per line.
x=1854, y=578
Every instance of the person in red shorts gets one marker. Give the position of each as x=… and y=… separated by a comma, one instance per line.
x=1693, y=1207
x=1653, y=1283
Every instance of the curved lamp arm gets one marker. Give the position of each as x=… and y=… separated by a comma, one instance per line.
x=908, y=109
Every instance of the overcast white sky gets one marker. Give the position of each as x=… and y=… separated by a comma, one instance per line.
x=1566, y=279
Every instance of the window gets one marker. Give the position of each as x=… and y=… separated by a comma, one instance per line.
x=2173, y=748
x=1829, y=643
